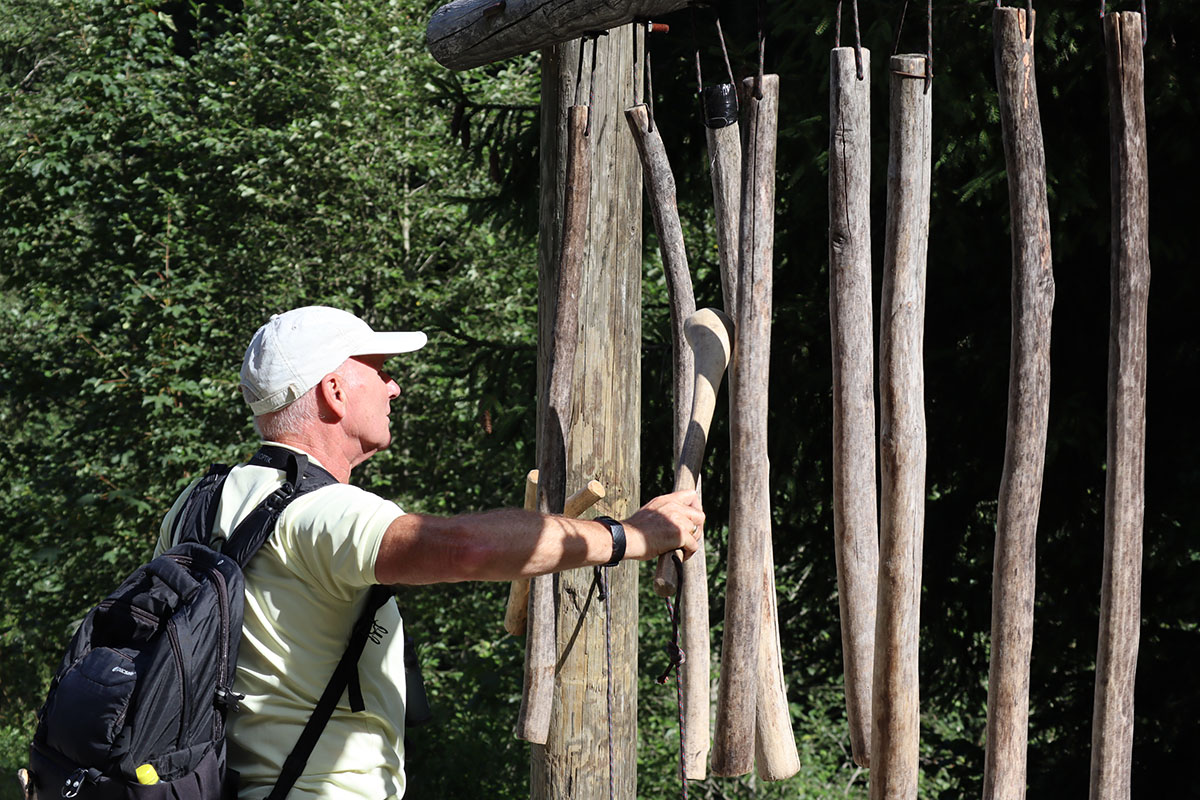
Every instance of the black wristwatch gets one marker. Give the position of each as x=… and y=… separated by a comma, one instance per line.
x=618, y=538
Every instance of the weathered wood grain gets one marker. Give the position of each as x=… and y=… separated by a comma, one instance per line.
x=725, y=168
x=541, y=651
x=664, y=210
x=895, y=695
x=855, y=510
x=1125, y=492
x=516, y=612
x=750, y=501
x=605, y=430
x=469, y=33
x=775, y=754
x=1014, y=565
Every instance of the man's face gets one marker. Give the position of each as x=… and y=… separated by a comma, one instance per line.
x=371, y=391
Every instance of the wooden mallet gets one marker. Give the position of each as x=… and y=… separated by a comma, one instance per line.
x=516, y=614
x=710, y=333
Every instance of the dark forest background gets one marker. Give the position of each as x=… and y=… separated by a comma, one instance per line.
x=172, y=173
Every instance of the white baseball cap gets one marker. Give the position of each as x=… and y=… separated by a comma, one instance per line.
x=292, y=352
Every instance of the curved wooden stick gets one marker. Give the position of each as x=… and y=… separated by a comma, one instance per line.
x=541, y=645
x=709, y=333
x=660, y=189
x=1020, y=495
x=855, y=514
x=516, y=612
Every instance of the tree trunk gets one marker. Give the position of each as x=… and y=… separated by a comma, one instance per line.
x=895, y=696
x=1125, y=496
x=604, y=433
x=855, y=511
x=1013, y=570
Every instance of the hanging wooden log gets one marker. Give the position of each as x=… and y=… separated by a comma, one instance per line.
x=690, y=434
x=895, y=697
x=468, y=33
x=1028, y=409
x=516, y=612
x=750, y=503
x=541, y=647
x=1125, y=496
x=775, y=754
x=725, y=167
x=664, y=210
x=855, y=526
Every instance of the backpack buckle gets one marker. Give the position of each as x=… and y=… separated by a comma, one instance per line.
x=229, y=700
x=74, y=782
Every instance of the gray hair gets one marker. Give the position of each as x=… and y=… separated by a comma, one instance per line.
x=293, y=418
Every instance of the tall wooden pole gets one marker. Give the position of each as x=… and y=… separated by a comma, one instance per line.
x=604, y=430
x=1125, y=495
x=855, y=512
x=895, y=697
x=1028, y=409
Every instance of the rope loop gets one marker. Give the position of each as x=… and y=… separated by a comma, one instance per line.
x=1145, y=19
x=837, y=35
x=928, y=76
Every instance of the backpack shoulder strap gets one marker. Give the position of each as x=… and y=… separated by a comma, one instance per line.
x=302, y=477
x=344, y=675
x=194, y=522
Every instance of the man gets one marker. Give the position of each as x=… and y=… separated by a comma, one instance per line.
x=314, y=379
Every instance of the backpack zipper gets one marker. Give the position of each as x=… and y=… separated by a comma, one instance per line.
x=173, y=635
x=142, y=613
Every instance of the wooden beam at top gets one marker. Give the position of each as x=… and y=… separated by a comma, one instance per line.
x=469, y=33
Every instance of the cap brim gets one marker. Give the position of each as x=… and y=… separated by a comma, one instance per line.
x=389, y=343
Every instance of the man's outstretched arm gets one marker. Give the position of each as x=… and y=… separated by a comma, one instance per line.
x=511, y=543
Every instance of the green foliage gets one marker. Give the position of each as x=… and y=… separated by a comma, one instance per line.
x=157, y=209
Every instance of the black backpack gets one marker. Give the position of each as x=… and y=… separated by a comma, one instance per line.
x=137, y=709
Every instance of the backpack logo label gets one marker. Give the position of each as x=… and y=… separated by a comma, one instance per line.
x=123, y=671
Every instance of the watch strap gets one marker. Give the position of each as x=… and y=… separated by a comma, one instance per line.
x=617, y=530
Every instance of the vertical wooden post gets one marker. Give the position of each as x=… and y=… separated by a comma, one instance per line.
x=1013, y=570
x=895, y=696
x=1124, y=502
x=750, y=506
x=554, y=412
x=855, y=511
x=604, y=432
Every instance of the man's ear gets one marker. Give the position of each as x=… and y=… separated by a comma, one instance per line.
x=331, y=397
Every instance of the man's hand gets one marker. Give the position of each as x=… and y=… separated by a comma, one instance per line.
x=668, y=522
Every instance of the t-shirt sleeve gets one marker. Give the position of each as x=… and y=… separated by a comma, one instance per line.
x=332, y=537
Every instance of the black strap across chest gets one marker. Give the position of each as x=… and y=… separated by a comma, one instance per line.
x=195, y=522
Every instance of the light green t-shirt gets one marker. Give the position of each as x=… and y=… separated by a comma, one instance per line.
x=304, y=591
